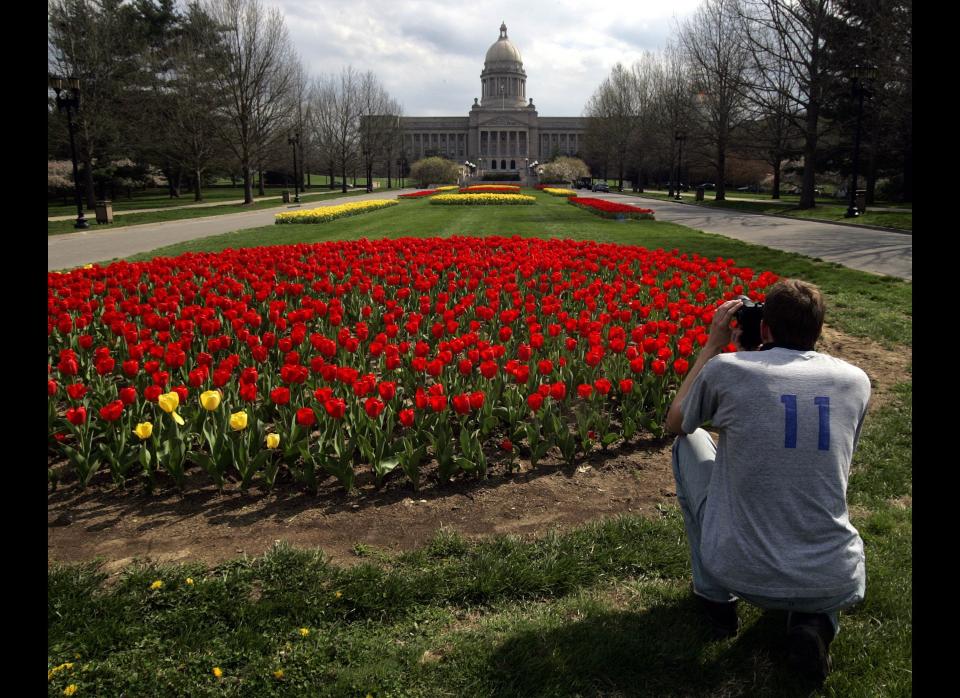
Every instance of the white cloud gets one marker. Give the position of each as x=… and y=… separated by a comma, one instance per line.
x=429, y=54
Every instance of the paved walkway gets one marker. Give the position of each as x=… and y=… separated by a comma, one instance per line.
x=257, y=199
x=74, y=249
x=865, y=249
x=708, y=195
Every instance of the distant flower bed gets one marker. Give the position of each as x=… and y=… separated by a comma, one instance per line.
x=330, y=213
x=552, y=191
x=610, y=209
x=491, y=189
x=482, y=199
x=447, y=188
x=419, y=194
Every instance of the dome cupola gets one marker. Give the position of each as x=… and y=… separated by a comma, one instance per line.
x=503, y=80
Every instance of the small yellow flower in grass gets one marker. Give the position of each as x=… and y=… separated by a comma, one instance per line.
x=338, y=594
x=278, y=674
x=238, y=421
x=273, y=440
x=189, y=581
x=211, y=400
x=156, y=585
x=218, y=672
x=304, y=632
x=144, y=430
x=70, y=690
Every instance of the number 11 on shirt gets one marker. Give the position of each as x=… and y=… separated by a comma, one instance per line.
x=790, y=421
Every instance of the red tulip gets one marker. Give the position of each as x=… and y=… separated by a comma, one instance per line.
x=77, y=415
x=335, y=407
x=112, y=411
x=280, y=395
x=76, y=391
x=407, y=417
x=373, y=407
x=128, y=395
x=387, y=390
x=535, y=401
x=306, y=417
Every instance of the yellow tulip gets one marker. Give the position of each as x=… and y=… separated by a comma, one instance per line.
x=144, y=430
x=169, y=402
x=210, y=400
x=273, y=440
x=238, y=421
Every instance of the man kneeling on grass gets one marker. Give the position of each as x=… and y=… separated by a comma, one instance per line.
x=765, y=509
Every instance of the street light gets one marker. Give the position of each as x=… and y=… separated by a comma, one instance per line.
x=70, y=103
x=294, y=140
x=859, y=75
x=679, y=136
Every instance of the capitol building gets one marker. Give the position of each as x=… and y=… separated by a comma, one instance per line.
x=503, y=132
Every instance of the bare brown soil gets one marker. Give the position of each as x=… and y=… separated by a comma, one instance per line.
x=210, y=526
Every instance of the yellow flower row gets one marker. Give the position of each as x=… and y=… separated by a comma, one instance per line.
x=447, y=188
x=482, y=199
x=501, y=187
x=552, y=191
x=329, y=213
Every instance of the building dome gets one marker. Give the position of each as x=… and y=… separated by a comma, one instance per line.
x=503, y=50
x=503, y=80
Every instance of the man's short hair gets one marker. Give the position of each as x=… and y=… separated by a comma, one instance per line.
x=793, y=310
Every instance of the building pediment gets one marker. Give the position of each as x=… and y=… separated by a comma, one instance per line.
x=502, y=121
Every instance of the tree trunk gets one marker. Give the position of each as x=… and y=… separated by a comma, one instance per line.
x=90, y=191
x=389, y=186
x=343, y=177
x=197, y=191
x=179, y=182
x=260, y=190
x=332, y=175
x=721, y=194
x=776, y=180
x=810, y=156
x=247, y=185
x=370, y=178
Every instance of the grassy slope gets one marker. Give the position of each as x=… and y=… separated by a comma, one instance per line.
x=603, y=609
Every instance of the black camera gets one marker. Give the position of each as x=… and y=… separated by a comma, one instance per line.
x=748, y=320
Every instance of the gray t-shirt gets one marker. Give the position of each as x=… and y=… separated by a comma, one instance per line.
x=775, y=522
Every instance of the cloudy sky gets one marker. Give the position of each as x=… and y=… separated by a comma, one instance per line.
x=429, y=54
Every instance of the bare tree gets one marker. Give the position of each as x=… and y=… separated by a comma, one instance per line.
x=718, y=59
x=343, y=110
x=373, y=122
x=255, y=79
x=795, y=34
x=673, y=107
x=614, y=116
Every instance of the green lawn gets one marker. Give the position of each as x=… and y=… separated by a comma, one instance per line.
x=604, y=609
x=832, y=211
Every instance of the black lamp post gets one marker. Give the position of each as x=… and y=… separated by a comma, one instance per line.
x=679, y=136
x=294, y=140
x=858, y=76
x=70, y=103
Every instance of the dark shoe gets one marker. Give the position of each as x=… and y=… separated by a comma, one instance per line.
x=722, y=617
x=808, y=643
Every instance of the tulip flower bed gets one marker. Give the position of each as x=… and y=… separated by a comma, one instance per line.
x=419, y=194
x=491, y=189
x=610, y=209
x=553, y=191
x=330, y=213
x=319, y=359
x=480, y=199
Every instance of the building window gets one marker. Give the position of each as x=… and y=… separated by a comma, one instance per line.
x=503, y=164
x=493, y=164
x=513, y=164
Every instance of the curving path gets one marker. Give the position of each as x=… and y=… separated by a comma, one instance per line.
x=867, y=249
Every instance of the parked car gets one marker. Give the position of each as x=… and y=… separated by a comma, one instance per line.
x=708, y=185
x=601, y=186
x=752, y=188
x=582, y=183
